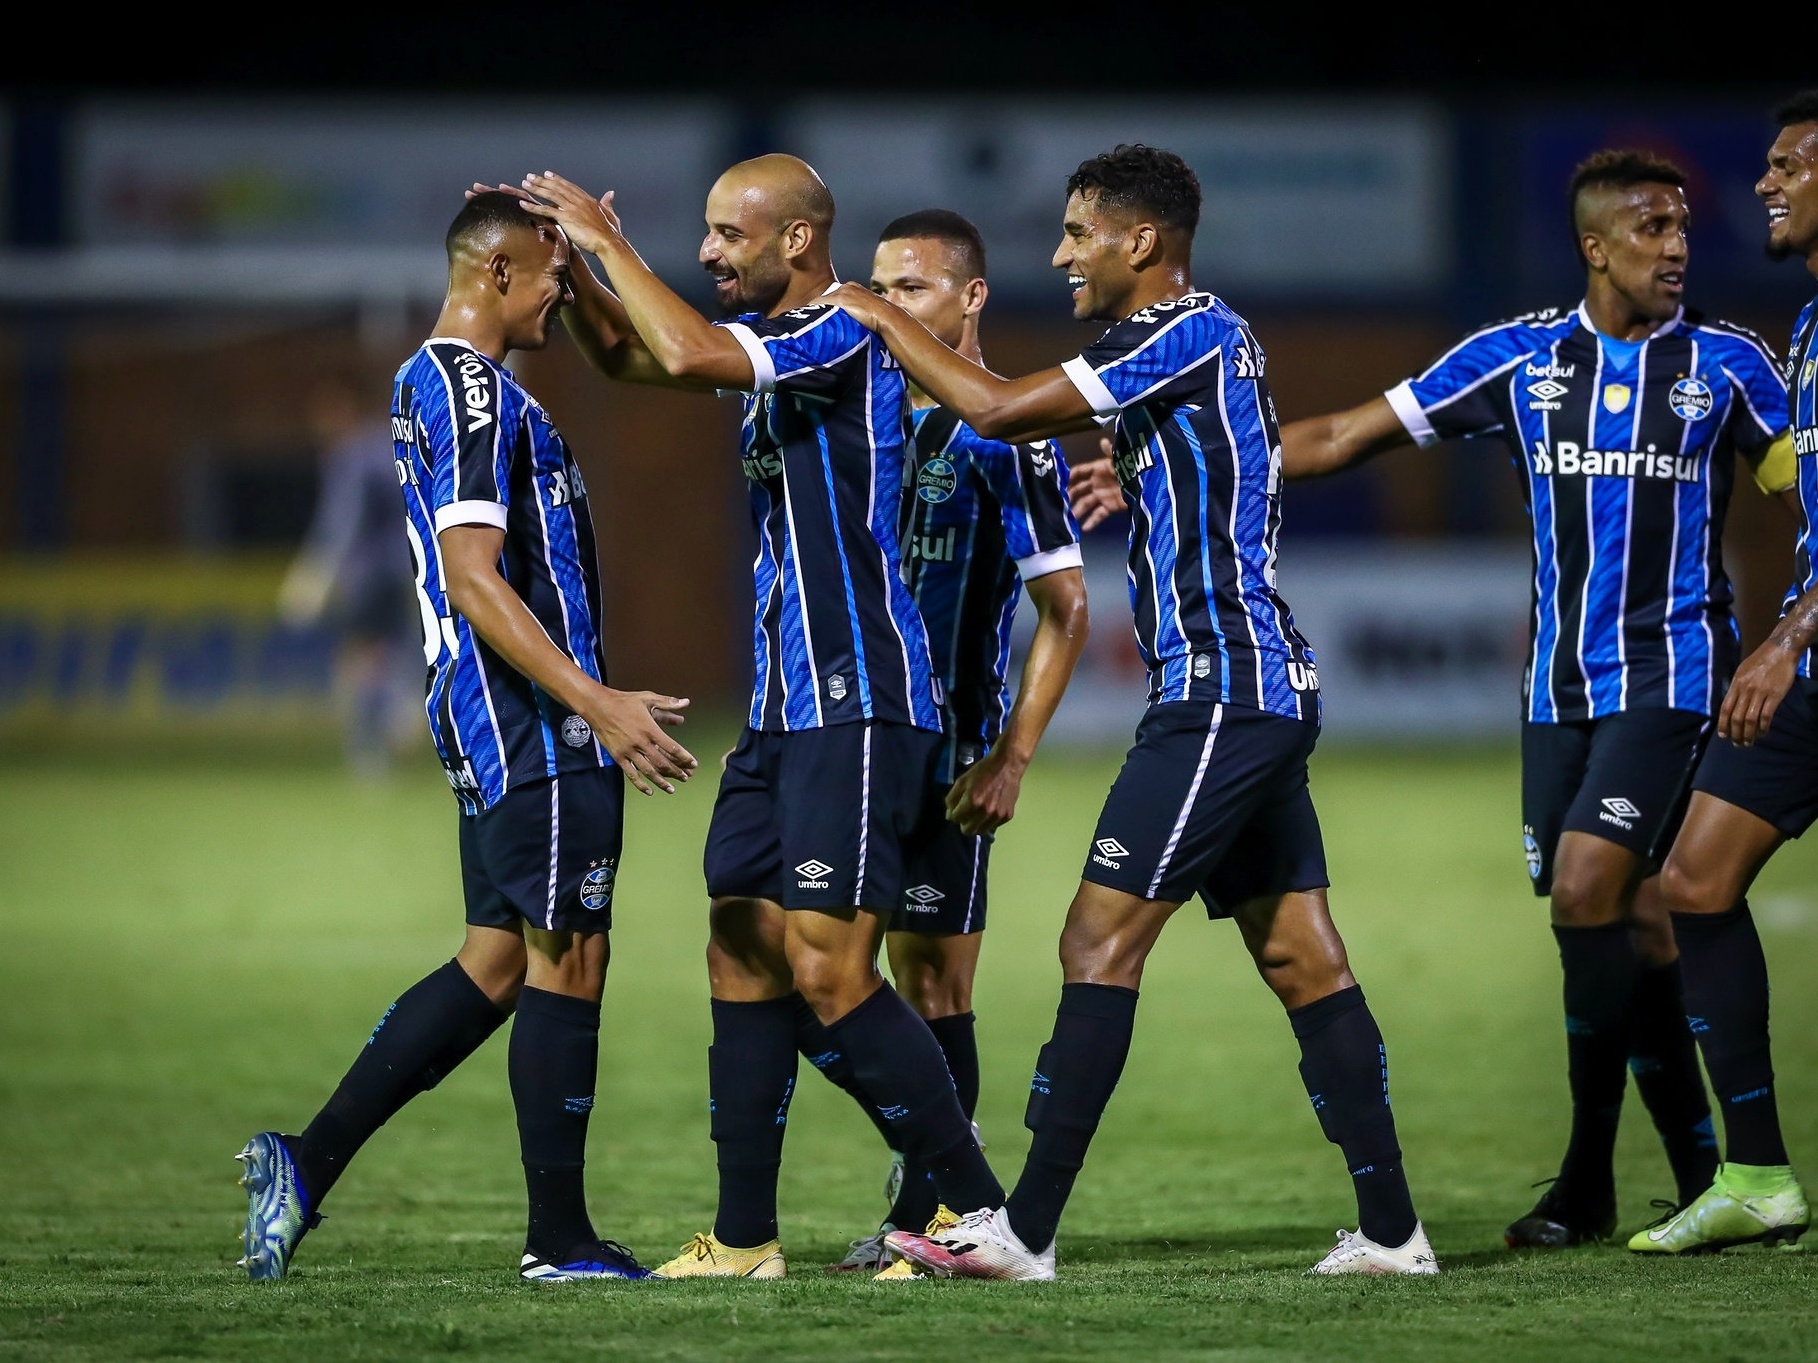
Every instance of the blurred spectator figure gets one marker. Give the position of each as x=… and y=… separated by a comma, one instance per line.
x=353, y=577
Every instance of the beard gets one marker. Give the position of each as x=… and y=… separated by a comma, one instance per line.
x=1777, y=251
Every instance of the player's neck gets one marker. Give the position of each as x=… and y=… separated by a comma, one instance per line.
x=1614, y=316
x=461, y=320
x=1164, y=285
x=804, y=289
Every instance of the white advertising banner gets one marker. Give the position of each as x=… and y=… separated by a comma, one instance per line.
x=1414, y=642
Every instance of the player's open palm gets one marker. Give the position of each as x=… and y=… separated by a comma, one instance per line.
x=630, y=725
x=1761, y=683
x=1093, y=488
x=984, y=798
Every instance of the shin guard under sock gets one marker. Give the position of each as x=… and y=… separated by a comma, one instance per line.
x=1663, y=1057
x=436, y=1024
x=555, y=1064
x=1075, y=1075
x=751, y=1078
x=815, y=1043
x=899, y=1066
x=1345, y=1067
x=1726, y=1004
x=1600, y=971
x=916, y=1203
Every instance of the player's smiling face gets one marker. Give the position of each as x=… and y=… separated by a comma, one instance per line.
x=1640, y=241
x=539, y=290
x=1790, y=192
x=918, y=274
x=743, y=249
x=1093, y=252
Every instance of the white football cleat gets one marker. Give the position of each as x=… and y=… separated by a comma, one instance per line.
x=1357, y=1253
x=979, y=1245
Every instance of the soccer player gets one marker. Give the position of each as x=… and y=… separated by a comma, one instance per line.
x=1757, y=787
x=1621, y=416
x=534, y=742
x=983, y=521
x=822, y=802
x=1213, y=797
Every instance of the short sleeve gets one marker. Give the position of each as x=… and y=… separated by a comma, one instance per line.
x=468, y=416
x=1759, y=414
x=804, y=351
x=1029, y=483
x=1458, y=394
x=1159, y=353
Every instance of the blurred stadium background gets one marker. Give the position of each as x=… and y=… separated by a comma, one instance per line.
x=183, y=273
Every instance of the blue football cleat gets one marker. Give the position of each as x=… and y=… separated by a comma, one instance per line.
x=605, y=1259
x=278, y=1214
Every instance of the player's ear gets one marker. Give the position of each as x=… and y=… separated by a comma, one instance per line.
x=498, y=270
x=1590, y=245
x=798, y=236
x=973, y=296
x=1143, y=245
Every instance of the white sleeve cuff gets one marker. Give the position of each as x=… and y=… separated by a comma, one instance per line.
x=763, y=372
x=1053, y=561
x=1407, y=408
x=1091, y=387
x=470, y=513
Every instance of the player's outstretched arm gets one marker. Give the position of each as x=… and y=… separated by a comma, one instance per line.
x=689, y=348
x=1014, y=410
x=984, y=798
x=1767, y=674
x=629, y=724
x=1325, y=444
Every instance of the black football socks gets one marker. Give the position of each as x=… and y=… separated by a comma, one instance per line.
x=817, y=1045
x=1600, y=970
x=957, y=1036
x=436, y=1024
x=1664, y=1060
x=554, y=1064
x=899, y=1065
x=751, y=1078
x=1726, y=1003
x=1346, y=1070
x=1075, y=1074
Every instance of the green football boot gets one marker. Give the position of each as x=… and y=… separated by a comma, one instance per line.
x=1747, y=1204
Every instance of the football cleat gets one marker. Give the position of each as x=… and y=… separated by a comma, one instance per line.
x=1357, y=1253
x=278, y=1214
x=706, y=1257
x=900, y=1271
x=978, y=1245
x=1732, y=1212
x=603, y=1259
x=867, y=1255
x=1558, y=1223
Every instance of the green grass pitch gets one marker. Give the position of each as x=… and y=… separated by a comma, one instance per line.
x=189, y=955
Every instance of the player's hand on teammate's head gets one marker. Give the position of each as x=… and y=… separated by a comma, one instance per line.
x=591, y=224
x=479, y=188
x=1093, y=488
x=630, y=725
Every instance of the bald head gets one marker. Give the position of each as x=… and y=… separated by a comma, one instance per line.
x=783, y=189
x=769, y=228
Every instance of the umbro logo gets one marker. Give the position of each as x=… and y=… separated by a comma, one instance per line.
x=1619, y=811
x=1546, y=390
x=1110, y=852
x=813, y=875
x=923, y=895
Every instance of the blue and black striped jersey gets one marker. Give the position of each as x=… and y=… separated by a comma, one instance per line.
x=1198, y=452
x=473, y=448
x=836, y=636
x=980, y=518
x=1625, y=452
x=1802, y=414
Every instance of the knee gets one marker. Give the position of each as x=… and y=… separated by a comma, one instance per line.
x=1584, y=901
x=1684, y=891
x=1086, y=957
x=935, y=995
x=1298, y=977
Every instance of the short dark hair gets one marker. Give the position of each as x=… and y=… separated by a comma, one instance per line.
x=1131, y=175
x=1799, y=108
x=485, y=218
x=943, y=225
x=1616, y=168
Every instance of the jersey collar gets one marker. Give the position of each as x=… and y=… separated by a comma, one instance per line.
x=1664, y=329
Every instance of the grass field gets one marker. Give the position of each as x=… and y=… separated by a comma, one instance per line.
x=189, y=955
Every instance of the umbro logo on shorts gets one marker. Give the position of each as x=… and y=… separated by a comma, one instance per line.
x=923, y=896
x=1110, y=852
x=1620, y=812
x=813, y=875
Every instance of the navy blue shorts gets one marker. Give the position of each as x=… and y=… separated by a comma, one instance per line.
x=546, y=854
x=1625, y=778
x=1212, y=800
x=946, y=893
x=1777, y=778
x=822, y=818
